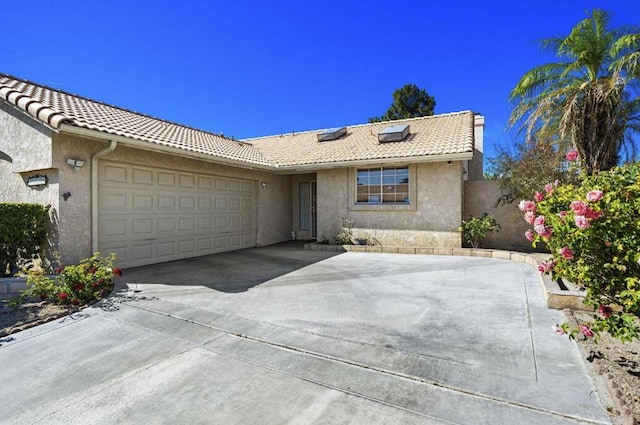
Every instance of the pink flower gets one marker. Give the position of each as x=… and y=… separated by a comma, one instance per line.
x=581, y=221
x=594, y=195
x=605, y=311
x=546, y=266
x=579, y=207
x=529, y=217
x=529, y=235
x=63, y=296
x=557, y=329
x=562, y=215
x=592, y=214
x=572, y=155
x=549, y=187
x=526, y=205
x=586, y=331
x=540, y=228
x=117, y=271
x=539, y=197
x=566, y=253
x=545, y=232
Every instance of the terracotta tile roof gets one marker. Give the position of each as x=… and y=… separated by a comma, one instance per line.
x=54, y=108
x=447, y=134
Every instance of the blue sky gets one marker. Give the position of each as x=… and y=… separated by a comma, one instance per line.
x=255, y=68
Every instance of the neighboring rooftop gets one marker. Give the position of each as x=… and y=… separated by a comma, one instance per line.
x=445, y=135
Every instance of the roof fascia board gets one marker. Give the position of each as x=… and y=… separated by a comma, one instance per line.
x=291, y=169
x=155, y=147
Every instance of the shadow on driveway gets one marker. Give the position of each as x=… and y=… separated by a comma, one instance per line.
x=230, y=272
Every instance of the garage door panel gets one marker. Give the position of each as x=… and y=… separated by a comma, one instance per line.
x=166, y=202
x=143, y=176
x=114, y=201
x=205, y=203
x=115, y=228
x=187, y=224
x=167, y=250
x=166, y=178
x=143, y=226
x=143, y=251
x=115, y=173
x=187, y=180
x=149, y=215
x=142, y=202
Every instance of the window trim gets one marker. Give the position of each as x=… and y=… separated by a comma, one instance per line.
x=354, y=205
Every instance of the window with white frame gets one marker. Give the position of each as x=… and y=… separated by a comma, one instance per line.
x=383, y=185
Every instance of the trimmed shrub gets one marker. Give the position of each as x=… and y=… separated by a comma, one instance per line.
x=23, y=231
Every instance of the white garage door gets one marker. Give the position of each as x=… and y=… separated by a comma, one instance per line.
x=151, y=215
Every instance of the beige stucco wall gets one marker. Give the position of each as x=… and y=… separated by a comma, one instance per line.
x=25, y=140
x=24, y=146
x=273, y=209
x=431, y=219
x=480, y=197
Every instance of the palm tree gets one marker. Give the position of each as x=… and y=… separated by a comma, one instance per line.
x=585, y=99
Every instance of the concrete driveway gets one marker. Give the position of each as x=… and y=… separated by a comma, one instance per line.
x=284, y=336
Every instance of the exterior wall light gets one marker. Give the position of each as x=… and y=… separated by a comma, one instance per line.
x=77, y=164
x=37, y=180
x=263, y=185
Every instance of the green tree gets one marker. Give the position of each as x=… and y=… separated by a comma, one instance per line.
x=527, y=168
x=408, y=101
x=587, y=97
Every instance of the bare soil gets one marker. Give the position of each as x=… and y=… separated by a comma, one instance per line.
x=27, y=315
x=614, y=365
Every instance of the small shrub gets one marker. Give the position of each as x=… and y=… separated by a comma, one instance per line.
x=76, y=285
x=476, y=228
x=23, y=231
x=345, y=234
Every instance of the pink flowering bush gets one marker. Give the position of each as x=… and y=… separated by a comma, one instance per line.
x=593, y=233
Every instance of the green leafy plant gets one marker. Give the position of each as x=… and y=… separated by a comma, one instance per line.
x=476, y=228
x=345, y=234
x=592, y=230
x=23, y=231
x=76, y=285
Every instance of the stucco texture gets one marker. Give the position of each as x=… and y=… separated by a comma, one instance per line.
x=480, y=197
x=430, y=220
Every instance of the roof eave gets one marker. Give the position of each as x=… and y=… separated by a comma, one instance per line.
x=289, y=169
x=156, y=147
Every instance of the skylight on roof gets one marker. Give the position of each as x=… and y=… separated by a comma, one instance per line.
x=394, y=134
x=332, y=134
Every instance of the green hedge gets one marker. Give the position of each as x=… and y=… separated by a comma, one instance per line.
x=23, y=231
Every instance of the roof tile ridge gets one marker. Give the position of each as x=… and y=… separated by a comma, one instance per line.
x=33, y=107
x=115, y=107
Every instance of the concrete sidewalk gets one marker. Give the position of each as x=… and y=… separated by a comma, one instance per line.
x=352, y=338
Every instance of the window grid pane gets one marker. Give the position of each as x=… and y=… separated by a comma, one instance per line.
x=382, y=185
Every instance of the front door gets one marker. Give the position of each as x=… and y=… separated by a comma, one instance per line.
x=308, y=221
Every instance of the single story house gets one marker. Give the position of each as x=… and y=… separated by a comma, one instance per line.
x=152, y=191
